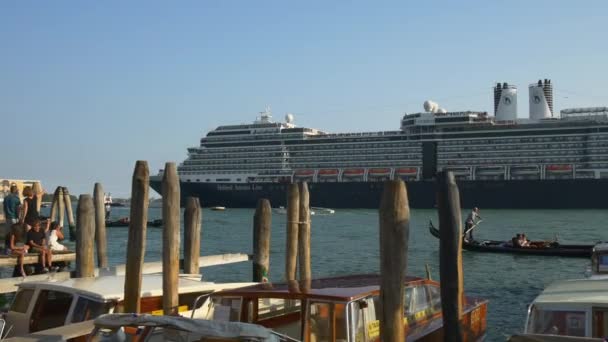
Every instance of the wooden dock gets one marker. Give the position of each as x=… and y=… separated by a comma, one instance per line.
x=34, y=258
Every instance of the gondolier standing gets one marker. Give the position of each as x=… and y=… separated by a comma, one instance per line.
x=471, y=221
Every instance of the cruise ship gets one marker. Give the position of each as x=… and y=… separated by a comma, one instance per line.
x=500, y=161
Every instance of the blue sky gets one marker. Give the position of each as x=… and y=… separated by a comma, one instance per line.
x=88, y=88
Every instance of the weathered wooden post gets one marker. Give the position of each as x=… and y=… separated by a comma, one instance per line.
x=85, y=219
x=37, y=190
x=304, y=233
x=171, y=194
x=53, y=215
x=192, y=235
x=293, y=219
x=69, y=212
x=100, y=226
x=394, y=238
x=60, y=207
x=450, y=256
x=137, y=236
x=262, y=223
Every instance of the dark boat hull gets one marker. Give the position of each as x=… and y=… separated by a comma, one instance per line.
x=514, y=194
x=492, y=246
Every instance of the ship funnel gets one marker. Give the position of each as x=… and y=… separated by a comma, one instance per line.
x=505, y=102
x=541, y=100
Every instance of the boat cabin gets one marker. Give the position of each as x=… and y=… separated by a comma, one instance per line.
x=599, y=262
x=339, y=309
x=570, y=308
x=49, y=304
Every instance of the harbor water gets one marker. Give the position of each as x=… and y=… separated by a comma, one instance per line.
x=347, y=243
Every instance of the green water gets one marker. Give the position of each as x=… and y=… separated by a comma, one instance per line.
x=347, y=243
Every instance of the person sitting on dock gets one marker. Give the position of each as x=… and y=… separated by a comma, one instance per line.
x=54, y=234
x=14, y=246
x=470, y=222
x=37, y=241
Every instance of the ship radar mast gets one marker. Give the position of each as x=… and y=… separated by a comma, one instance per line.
x=266, y=115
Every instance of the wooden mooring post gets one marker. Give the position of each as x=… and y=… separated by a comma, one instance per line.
x=293, y=220
x=37, y=190
x=450, y=255
x=171, y=197
x=86, y=233
x=394, y=239
x=137, y=236
x=100, y=226
x=304, y=233
x=262, y=223
x=60, y=207
x=68, y=208
x=53, y=215
x=192, y=235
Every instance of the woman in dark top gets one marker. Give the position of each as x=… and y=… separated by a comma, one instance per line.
x=30, y=212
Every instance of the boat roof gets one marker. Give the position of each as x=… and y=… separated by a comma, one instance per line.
x=206, y=328
x=108, y=288
x=343, y=289
x=601, y=247
x=577, y=291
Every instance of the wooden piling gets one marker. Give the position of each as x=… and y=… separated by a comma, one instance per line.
x=68, y=208
x=60, y=207
x=192, y=235
x=137, y=236
x=262, y=223
x=85, y=218
x=304, y=233
x=171, y=197
x=53, y=215
x=37, y=190
x=394, y=238
x=293, y=219
x=450, y=255
x=100, y=226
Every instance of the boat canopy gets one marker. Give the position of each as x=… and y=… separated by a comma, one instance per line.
x=110, y=288
x=578, y=291
x=206, y=328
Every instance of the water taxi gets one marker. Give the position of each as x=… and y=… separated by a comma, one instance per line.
x=339, y=309
x=599, y=262
x=44, y=305
x=577, y=308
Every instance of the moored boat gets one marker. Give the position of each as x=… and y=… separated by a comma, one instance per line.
x=218, y=208
x=124, y=222
x=576, y=308
x=535, y=248
x=340, y=309
x=45, y=305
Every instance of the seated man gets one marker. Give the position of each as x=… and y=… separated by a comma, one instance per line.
x=36, y=239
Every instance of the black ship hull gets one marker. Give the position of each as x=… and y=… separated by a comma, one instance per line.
x=511, y=194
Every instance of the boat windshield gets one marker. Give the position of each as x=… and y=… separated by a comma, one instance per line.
x=556, y=322
x=327, y=321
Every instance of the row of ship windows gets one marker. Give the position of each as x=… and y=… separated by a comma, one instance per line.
x=301, y=160
x=240, y=169
x=510, y=147
x=301, y=156
x=513, y=141
x=510, y=154
x=503, y=161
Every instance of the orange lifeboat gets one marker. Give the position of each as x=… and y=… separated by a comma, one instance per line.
x=353, y=172
x=559, y=168
x=304, y=173
x=407, y=171
x=328, y=172
x=379, y=172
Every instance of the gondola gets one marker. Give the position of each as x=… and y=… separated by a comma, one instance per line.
x=124, y=222
x=536, y=248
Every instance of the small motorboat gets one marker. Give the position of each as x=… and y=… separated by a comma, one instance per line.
x=218, y=208
x=322, y=211
x=548, y=248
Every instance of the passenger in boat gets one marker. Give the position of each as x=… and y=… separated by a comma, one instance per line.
x=516, y=240
x=14, y=245
x=471, y=220
x=37, y=241
x=524, y=241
